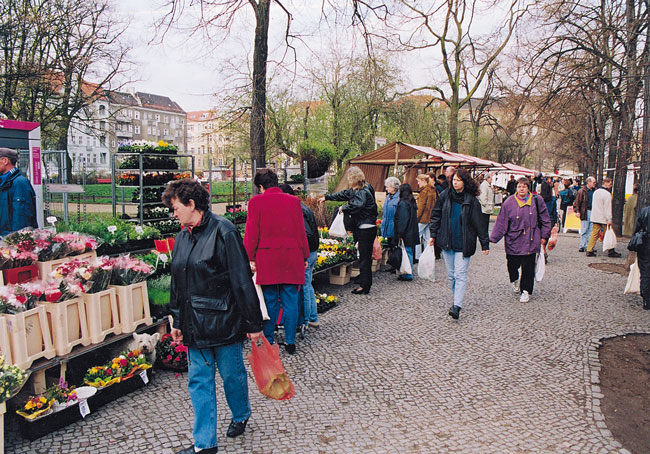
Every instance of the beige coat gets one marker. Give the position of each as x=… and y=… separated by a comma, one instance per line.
x=629, y=215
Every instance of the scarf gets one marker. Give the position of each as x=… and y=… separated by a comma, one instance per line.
x=521, y=202
x=4, y=177
x=457, y=197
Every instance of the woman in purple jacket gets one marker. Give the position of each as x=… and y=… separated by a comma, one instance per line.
x=525, y=224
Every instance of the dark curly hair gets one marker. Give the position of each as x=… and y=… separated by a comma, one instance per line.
x=185, y=190
x=470, y=185
x=265, y=178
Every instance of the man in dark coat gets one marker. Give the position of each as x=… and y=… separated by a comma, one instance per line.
x=17, y=197
x=643, y=254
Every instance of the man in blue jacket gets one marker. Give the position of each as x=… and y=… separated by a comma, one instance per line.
x=17, y=197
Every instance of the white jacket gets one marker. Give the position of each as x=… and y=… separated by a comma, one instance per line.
x=486, y=198
x=601, y=206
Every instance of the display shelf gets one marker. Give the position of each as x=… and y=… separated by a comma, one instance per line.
x=153, y=170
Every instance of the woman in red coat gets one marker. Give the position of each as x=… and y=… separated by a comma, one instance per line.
x=278, y=250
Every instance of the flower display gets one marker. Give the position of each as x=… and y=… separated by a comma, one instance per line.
x=171, y=354
x=325, y=301
x=34, y=407
x=16, y=298
x=11, y=379
x=60, y=392
x=118, y=369
x=13, y=258
x=29, y=245
x=93, y=277
x=333, y=251
x=128, y=270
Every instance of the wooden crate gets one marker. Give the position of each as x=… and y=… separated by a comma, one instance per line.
x=102, y=314
x=341, y=275
x=133, y=306
x=29, y=336
x=68, y=324
x=45, y=268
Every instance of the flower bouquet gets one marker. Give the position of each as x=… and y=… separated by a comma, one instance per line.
x=12, y=378
x=16, y=298
x=35, y=407
x=118, y=369
x=94, y=278
x=54, y=290
x=77, y=243
x=128, y=270
x=172, y=355
x=10, y=257
x=61, y=395
x=100, y=377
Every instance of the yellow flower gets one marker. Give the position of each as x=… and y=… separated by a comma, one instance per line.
x=29, y=405
x=43, y=399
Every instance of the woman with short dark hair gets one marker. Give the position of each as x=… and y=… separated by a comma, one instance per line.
x=456, y=222
x=214, y=306
x=406, y=225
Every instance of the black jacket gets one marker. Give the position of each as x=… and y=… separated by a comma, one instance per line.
x=642, y=224
x=213, y=297
x=311, y=229
x=473, y=223
x=361, y=207
x=406, y=223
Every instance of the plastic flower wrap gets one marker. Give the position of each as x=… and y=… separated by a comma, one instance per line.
x=55, y=290
x=171, y=354
x=77, y=243
x=16, y=298
x=36, y=406
x=119, y=368
x=128, y=270
x=93, y=277
x=12, y=379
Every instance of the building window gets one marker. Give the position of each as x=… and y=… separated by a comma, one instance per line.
x=137, y=114
x=167, y=119
x=102, y=125
x=157, y=117
x=102, y=110
x=130, y=126
x=148, y=130
x=220, y=161
x=166, y=131
x=129, y=113
x=102, y=158
x=102, y=141
x=137, y=129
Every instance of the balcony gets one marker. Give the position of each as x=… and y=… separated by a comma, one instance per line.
x=124, y=133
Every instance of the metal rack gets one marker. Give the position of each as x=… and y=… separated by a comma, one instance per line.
x=142, y=170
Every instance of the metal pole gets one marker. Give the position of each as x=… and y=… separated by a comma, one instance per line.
x=246, y=181
x=141, y=189
x=234, y=183
x=113, y=183
x=304, y=174
x=65, y=181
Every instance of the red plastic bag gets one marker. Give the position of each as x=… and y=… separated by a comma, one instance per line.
x=552, y=241
x=376, y=250
x=270, y=376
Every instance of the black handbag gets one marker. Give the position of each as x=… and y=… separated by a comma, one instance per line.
x=395, y=257
x=636, y=243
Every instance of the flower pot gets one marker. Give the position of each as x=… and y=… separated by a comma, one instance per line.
x=102, y=314
x=68, y=324
x=29, y=336
x=19, y=275
x=133, y=305
x=45, y=268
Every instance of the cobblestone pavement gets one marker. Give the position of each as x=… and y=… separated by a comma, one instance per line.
x=391, y=372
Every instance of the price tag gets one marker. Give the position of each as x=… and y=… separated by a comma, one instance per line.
x=164, y=258
x=139, y=230
x=144, y=377
x=51, y=220
x=84, y=409
x=112, y=228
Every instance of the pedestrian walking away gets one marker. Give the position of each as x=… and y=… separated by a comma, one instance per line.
x=582, y=208
x=425, y=203
x=17, y=196
x=601, y=217
x=524, y=223
x=214, y=306
x=278, y=251
x=406, y=225
x=456, y=222
x=486, y=197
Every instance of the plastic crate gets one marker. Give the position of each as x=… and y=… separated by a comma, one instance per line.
x=29, y=336
x=68, y=324
x=45, y=268
x=341, y=275
x=102, y=314
x=20, y=275
x=133, y=306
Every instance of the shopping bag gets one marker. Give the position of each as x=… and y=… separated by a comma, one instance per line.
x=405, y=266
x=338, y=227
x=395, y=258
x=552, y=241
x=609, y=241
x=540, y=266
x=633, y=285
x=427, y=264
x=270, y=376
x=260, y=296
x=376, y=250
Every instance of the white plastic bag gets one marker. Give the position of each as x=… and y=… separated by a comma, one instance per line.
x=633, y=285
x=405, y=267
x=609, y=240
x=337, y=229
x=540, y=266
x=427, y=264
x=260, y=296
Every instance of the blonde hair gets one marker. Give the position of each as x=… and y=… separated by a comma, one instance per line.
x=356, y=178
x=427, y=179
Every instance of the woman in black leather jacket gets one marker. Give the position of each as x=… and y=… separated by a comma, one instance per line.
x=406, y=225
x=643, y=254
x=214, y=306
x=361, y=210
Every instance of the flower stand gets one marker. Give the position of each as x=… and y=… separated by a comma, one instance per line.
x=341, y=275
x=19, y=275
x=29, y=336
x=5, y=345
x=102, y=314
x=133, y=305
x=45, y=268
x=68, y=324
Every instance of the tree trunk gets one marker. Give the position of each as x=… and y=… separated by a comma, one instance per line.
x=258, y=107
x=453, y=128
x=644, y=174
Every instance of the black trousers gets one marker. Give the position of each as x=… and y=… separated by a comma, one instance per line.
x=527, y=265
x=643, y=258
x=365, y=238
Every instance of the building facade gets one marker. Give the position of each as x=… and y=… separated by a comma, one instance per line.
x=206, y=142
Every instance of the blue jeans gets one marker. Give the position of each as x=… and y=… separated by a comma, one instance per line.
x=283, y=296
x=585, y=228
x=229, y=360
x=457, y=266
x=309, y=297
x=409, y=253
x=424, y=234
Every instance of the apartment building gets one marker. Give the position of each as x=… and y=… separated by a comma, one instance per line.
x=205, y=141
x=120, y=117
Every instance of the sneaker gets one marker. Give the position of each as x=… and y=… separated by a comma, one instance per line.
x=613, y=253
x=591, y=254
x=454, y=311
x=314, y=324
x=525, y=297
x=515, y=286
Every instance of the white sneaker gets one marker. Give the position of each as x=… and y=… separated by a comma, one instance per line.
x=515, y=286
x=525, y=297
